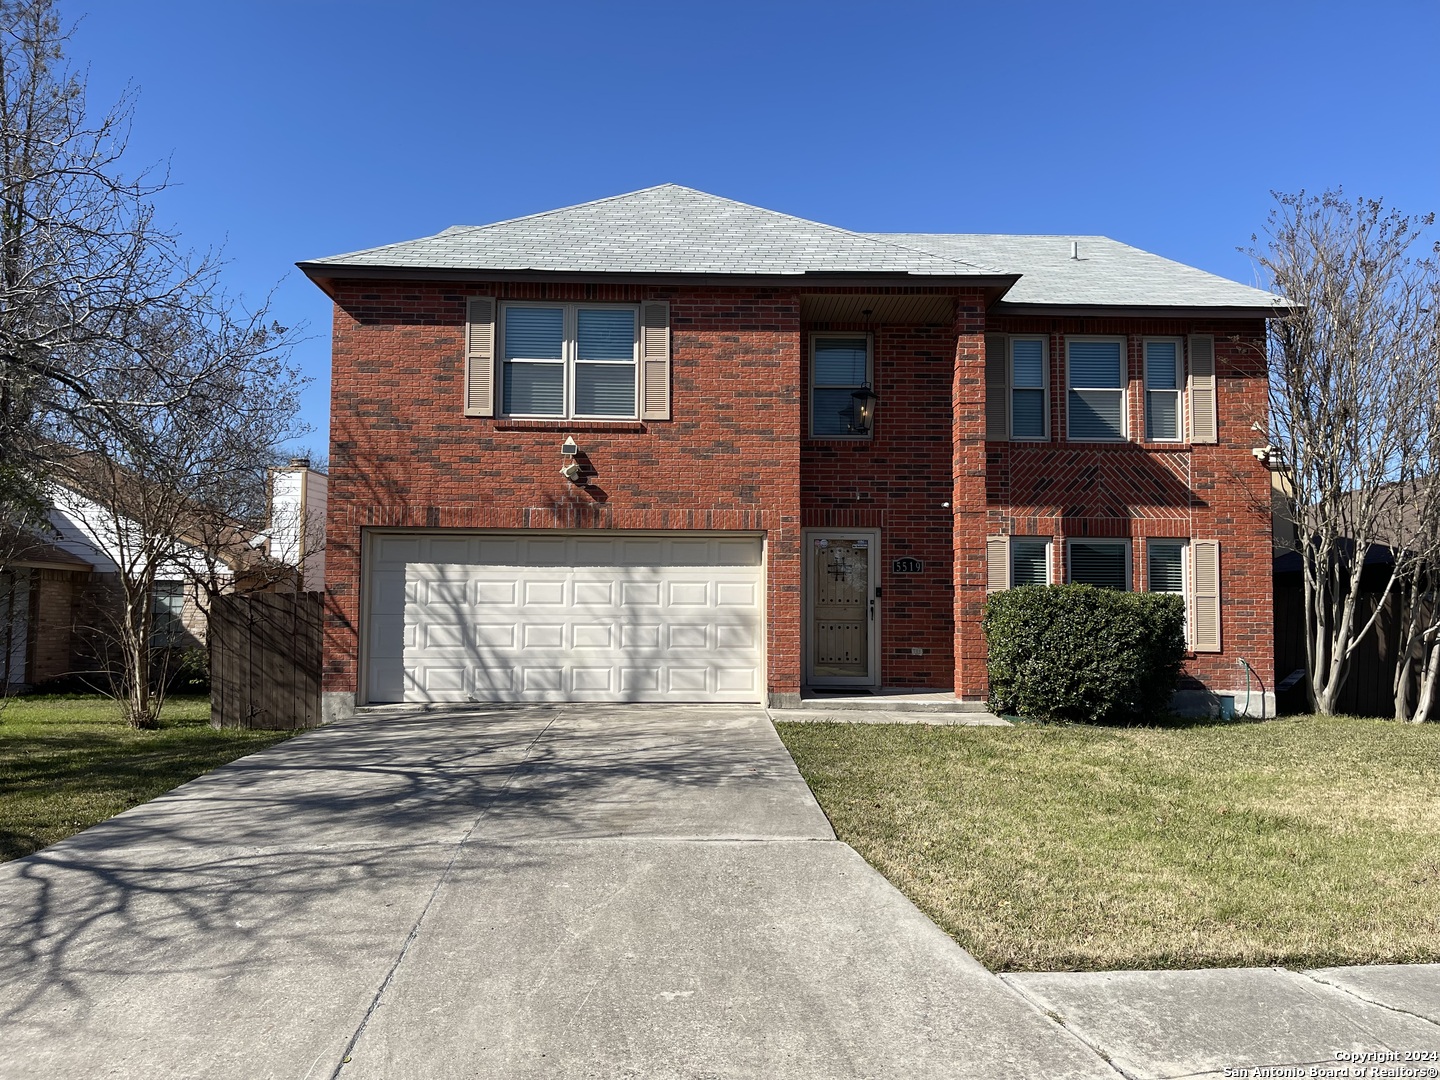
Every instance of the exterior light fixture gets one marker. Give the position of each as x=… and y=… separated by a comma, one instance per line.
x=568, y=447
x=573, y=472
x=862, y=419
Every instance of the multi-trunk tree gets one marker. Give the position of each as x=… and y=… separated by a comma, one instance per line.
x=1354, y=377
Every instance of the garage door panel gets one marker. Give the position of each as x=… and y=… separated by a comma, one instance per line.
x=599, y=594
x=666, y=618
x=689, y=680
x=390, y=636
x=736, y=680
x=443, y=594
x=737, y=636
x=736, y=594
x=593, y=680
x=494, y=593
x=492, y=682
x=443, y=636
x=387, y=593
x=543, y=594
x=496, y=635
x=688, y=594
x=595, y=635
x=687, y=636
x=542, y=636
x=387, y=678
x=547, y=552
x=542, y=678
x=448, y=551
x=640, y=594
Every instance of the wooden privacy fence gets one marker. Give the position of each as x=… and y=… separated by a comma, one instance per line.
x=1369, y=688
x=265, y=660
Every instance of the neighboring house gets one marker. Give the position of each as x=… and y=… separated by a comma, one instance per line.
x=296, y=530
x=59, y=596
x=738, y=518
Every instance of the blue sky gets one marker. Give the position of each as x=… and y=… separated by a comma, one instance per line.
x=311, y=127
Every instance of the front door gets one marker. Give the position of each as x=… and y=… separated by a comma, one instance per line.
x=841, y=579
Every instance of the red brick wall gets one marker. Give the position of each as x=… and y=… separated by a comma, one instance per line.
x=899, y=481
x=735, y=458
x=402, y=453
x=1139, y=489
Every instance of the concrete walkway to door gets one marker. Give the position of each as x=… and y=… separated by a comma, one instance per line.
x=559, y=891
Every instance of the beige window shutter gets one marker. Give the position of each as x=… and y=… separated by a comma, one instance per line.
x=997, y=555
x=1205, y=595
x=480, y=356
x=655, y=360
x=1203, y=425
x=997, y=389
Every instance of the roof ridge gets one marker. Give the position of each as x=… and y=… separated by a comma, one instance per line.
x=827, y=225
x=735, y=202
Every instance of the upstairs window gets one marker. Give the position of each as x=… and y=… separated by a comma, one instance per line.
x=840, y=364
x=1105, y=563
x=1164, y=379
x=568, y=360
x=1028, y=408
x=1096, y=402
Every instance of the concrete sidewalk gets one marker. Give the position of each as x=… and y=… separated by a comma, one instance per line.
x=1349, y=1022
x=543, y=892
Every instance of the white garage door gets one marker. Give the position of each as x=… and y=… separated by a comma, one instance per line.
x=557, y=617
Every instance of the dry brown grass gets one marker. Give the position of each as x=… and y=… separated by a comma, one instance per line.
x=1302, y=841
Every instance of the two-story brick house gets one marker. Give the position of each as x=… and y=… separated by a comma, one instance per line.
x=669, y=447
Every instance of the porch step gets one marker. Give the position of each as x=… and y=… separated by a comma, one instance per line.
x=925, y=701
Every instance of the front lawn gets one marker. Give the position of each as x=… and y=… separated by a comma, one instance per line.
x=68, y=762
x=1298, y=842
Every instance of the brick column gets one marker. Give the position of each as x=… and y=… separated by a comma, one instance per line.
x=968, y=504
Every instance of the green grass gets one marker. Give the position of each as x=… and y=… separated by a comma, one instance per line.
x=1303, y=841
x=68, y=762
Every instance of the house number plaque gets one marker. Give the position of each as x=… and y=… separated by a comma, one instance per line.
x=906, y=566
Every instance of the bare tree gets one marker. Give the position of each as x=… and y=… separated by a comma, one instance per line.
x=83, y=264
x=123, y=365
x=1348, y=359
x=178, y=492
x=1415, y=525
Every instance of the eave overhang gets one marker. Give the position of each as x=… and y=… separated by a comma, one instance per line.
x=1139, y=311
x=995, y=286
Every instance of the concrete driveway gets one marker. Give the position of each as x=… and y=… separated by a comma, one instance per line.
x=560, y=891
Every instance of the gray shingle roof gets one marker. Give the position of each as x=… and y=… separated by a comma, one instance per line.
x=661, y=230
x=677, y=230
x=1108, y=273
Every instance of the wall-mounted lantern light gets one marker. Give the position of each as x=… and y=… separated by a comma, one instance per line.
x=573, y=470
x=862, y=420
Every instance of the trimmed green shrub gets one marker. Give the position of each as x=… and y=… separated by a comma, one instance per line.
x=1078, y=654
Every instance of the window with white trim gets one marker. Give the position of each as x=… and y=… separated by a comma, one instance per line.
x=1029, y=411
x=1096, y=376
x=840, y=364
x=1165, y=570
x=1104, y=563
x=1029, y=560
x=568, y=360
x=1164, y=380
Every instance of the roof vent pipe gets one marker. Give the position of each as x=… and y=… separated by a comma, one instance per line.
x=1075, y=249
